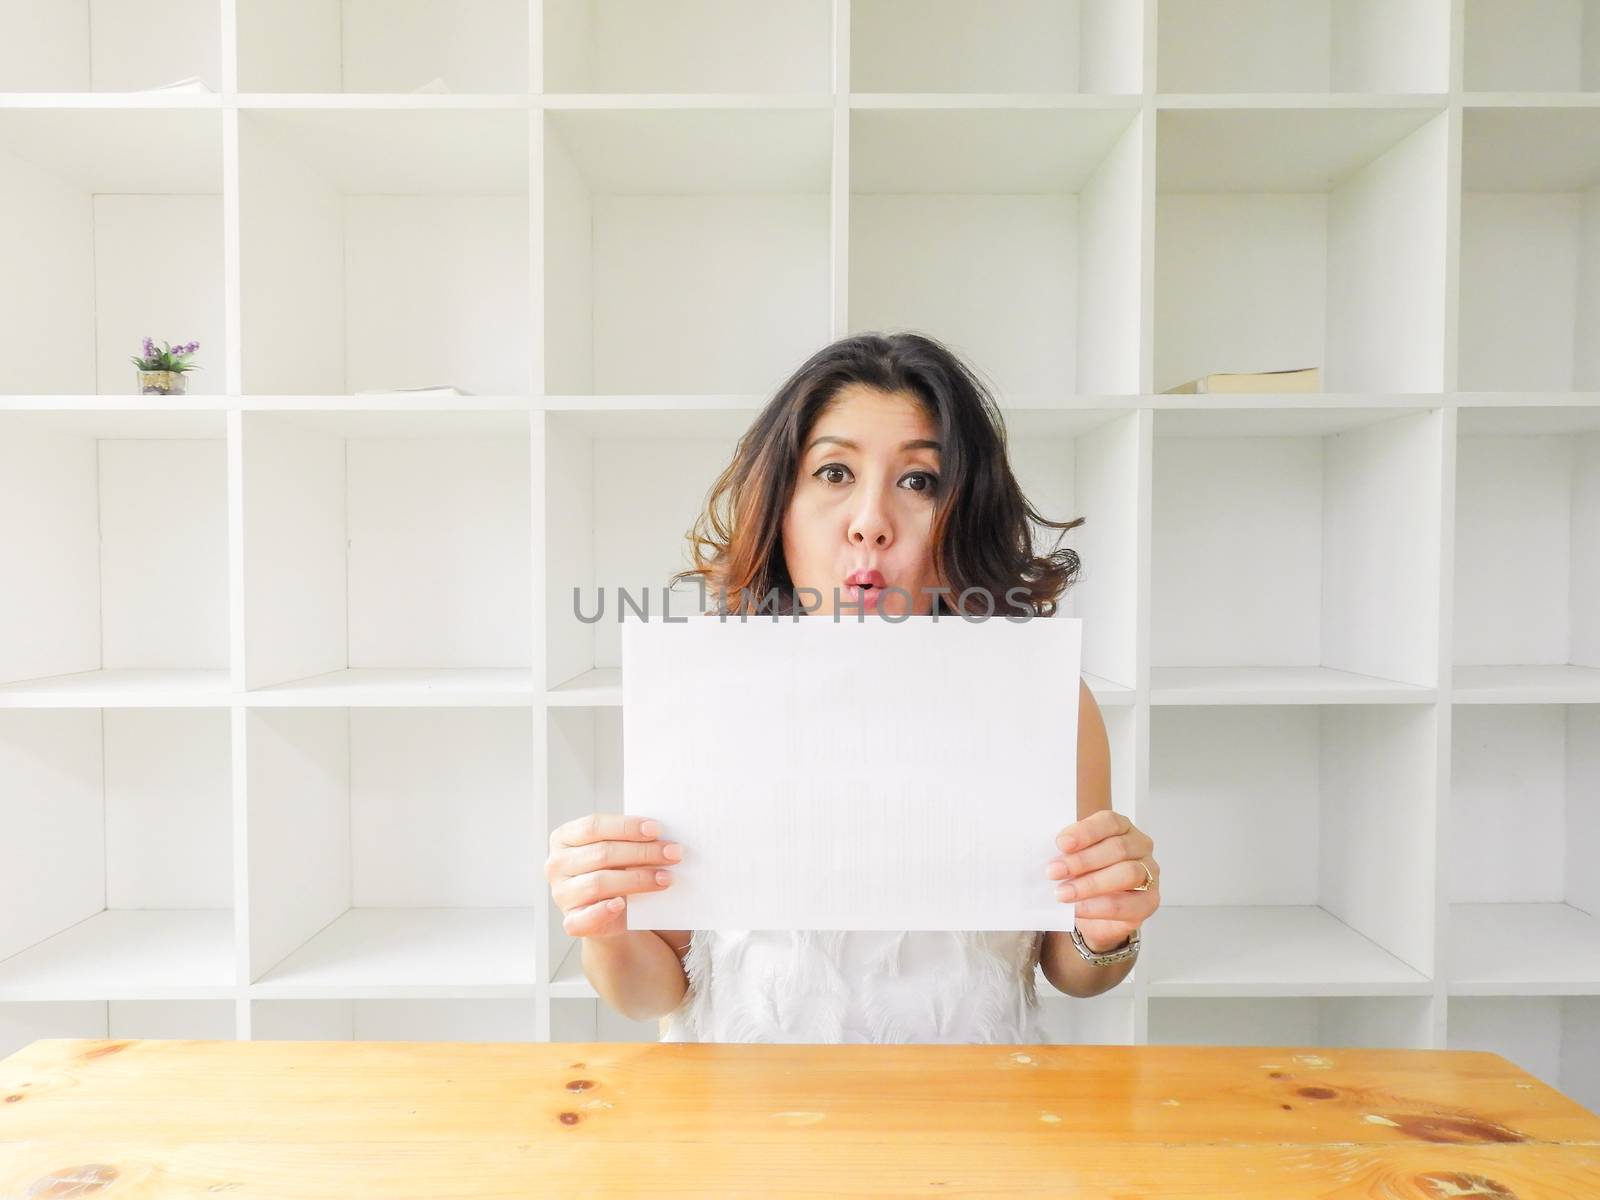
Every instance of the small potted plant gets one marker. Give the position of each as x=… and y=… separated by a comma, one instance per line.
x=161, y=372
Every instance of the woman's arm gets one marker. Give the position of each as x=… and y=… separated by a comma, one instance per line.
x=639, y=973
x=1059, y=959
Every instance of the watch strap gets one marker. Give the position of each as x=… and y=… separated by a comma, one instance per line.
x=1128, y=949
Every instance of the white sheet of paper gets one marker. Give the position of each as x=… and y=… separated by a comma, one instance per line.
x=853, y=773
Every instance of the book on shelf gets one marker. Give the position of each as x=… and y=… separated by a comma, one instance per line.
x=1299, y=379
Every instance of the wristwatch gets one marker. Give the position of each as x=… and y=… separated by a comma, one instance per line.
x=1128, y=949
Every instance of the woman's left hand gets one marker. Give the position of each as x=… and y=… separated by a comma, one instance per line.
x=1099, y=864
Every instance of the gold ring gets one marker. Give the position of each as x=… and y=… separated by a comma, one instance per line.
x=1148, y=878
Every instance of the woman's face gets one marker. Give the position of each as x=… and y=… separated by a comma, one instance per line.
x=863, y=501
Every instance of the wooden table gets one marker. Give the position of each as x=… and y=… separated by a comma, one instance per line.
x=132, y=1118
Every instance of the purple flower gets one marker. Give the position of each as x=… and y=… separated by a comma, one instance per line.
x=149, y=348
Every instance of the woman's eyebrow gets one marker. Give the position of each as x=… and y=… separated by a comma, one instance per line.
x=913, y=444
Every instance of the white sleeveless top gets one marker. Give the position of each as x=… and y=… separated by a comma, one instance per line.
x=834, y=986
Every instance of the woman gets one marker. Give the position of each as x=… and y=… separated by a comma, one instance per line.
x=876, y=477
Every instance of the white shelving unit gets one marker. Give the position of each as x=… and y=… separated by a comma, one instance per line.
x=292, y=684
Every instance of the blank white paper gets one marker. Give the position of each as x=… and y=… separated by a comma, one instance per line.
x=853, y=773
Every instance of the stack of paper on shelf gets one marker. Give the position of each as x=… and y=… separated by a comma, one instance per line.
x=432, y=389
x=191, y=83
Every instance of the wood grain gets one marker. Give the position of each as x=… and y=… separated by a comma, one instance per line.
x=138, y=1118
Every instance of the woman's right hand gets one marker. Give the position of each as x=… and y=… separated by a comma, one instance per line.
x=596, y=860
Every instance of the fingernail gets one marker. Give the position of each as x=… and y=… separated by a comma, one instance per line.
x=672, y=850
x=1066, y=891
x=650, y=828
x=662, y=877
x=614, y=902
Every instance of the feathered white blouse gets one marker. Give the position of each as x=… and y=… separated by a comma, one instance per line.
x=828, y=986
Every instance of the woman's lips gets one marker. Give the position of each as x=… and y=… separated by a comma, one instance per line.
x=865, y=597
x=863, y=588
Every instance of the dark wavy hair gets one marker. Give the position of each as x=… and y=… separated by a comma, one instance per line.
x=981, y=536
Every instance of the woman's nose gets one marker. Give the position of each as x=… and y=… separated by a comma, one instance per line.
x=870, y=526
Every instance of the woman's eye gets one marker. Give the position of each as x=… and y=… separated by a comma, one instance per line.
x=823, y=470
x=931, y=481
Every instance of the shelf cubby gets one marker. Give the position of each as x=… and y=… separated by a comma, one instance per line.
x=1527, y=555
x=1288, y=1022
x=389, y=554
x=25, y=1021
x=120, y=47
x=362, y=268
x=1295, y=555
x=688, y=247
x=1532, y=45
x=119, y=835
x=383, y=46
x=677, y=46
x=1303, y=868
x=1070, y=464
x=623, y=489
x=105, y=244
x=1017, y=261
x=1104, y=1020
x=1303, y=46
x=596, y=1021
x=1004, y=46
x=393, y=853
x=114, y=584
x=409, y=1020
x=1524, y=832
x=1309, y=236
x=1530, y=249
x=1555, y=1038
